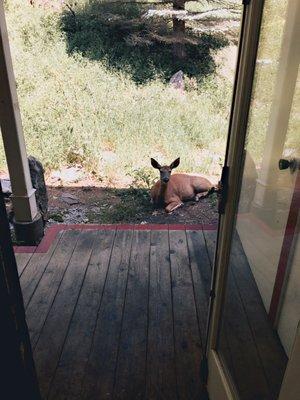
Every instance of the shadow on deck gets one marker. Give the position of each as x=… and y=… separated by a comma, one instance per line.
x=121, y=313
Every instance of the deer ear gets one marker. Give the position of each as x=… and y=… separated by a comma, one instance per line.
x=155, y=164
x=175, y=163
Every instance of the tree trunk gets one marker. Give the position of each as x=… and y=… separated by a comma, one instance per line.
x=179, y=32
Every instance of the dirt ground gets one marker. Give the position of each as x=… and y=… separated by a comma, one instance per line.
x=89, y=201
x=100, y=205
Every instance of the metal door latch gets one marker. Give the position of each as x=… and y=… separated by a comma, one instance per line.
x=223, y=190
x=292, y=164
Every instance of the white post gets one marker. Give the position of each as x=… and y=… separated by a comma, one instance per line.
x=23, y=194
x=27, y=219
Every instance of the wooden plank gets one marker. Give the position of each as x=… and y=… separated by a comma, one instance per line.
x=246, y=364
x=271, y=352
x=53, y=334
x=235, y=335
x=100, y=371
x=186, y=331
x=35, y=269
x=161, y=368
x=22, y=260
x=130, y=382
x=247, y=321
x=41, y=301
x=70, y=372
x=210, y=238
x=201, y=274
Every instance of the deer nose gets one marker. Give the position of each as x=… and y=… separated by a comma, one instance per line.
x=166, y=180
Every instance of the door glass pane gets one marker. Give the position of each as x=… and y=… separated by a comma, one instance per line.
x=262, y=303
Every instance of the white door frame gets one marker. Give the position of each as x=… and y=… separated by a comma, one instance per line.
x=219, y=384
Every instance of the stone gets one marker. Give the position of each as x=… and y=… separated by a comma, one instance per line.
x=70, y=198
x=54, y=177
x=71, y=174
x=6, y=187
x=177, y=81
x=108, y=157
x=38, y=182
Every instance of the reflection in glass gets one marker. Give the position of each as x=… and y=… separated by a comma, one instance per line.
x=262, y=302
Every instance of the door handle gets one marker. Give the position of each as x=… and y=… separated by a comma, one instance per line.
x=292, y=164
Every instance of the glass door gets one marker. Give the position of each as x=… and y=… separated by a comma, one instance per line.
x=255, y=306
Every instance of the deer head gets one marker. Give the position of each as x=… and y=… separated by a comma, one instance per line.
x=165, y=170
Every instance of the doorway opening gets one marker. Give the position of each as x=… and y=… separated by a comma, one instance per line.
x=103, y=86
x=131, y=301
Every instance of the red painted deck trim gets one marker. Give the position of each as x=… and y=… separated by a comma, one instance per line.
x=25, y=249
x=53, y=230
x=290, y=232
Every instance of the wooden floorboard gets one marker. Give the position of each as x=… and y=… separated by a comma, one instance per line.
x=41, y=301
x=22, y=261
x=201, y=274
x=236, y=337
x=100, y=371
x=246, y=360
x=210, y=238
x=131, y=363
x=161, y=368
x=52, y=338
x=34, y=271
x=270, y=351
x=67, y=382
x=248, y=344
x=121, y=314
x=188, y=350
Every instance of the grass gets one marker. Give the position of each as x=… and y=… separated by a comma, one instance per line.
x=90, y=96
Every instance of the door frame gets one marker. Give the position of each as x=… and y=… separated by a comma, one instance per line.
x=16, y=362
x=219, y=382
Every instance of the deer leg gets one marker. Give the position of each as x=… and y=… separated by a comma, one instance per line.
x=206, y=193
x=199, y=196
x=173, y=206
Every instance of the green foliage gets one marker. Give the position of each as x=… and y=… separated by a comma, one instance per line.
x=85, y=91
x=132, y=204
x=143, y=177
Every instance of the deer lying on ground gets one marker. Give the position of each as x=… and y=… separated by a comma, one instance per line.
x=171, y=191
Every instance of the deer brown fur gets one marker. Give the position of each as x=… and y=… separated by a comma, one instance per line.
x=172, y=190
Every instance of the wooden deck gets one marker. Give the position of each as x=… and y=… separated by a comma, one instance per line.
x=121, y=314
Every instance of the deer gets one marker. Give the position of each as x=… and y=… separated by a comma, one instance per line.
x=171, y=191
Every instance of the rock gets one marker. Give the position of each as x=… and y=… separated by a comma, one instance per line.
x=69, y=198
x=6, y=187
x=38, y=182
x=71, y=174
x=108, y=157
x=55, y=176
x=177, y=81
